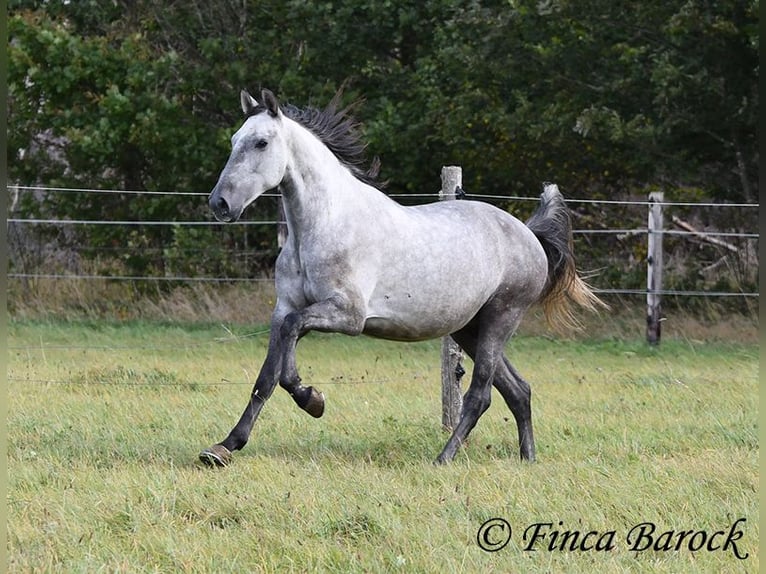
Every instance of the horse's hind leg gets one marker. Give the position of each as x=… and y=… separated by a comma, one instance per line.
x=517, y=394
x=512, y=387
x=483, y=339
x=475, y=402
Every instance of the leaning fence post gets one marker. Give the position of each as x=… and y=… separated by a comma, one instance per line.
x=452, y=354
x=654, y=269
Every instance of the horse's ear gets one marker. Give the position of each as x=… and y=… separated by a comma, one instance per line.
x=248, y=102
x=270, y=101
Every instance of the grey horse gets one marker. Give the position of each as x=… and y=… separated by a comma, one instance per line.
x=356, y=262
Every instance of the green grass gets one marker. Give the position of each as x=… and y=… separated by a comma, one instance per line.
x=105, y=422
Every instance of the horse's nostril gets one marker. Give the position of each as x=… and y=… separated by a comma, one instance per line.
x=220, y=205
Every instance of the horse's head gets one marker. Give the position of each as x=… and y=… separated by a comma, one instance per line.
x=257, y=161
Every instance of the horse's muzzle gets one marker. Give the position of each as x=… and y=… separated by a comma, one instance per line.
x=220, y=208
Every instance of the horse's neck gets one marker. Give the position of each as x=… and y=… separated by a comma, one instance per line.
x=318, y=191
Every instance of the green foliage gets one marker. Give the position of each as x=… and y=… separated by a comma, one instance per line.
x=606, y=99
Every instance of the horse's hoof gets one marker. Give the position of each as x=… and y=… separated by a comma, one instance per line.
x=315, y=405
x=216, y=455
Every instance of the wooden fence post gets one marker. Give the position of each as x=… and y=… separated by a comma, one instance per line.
x=654, y=269
x=452, y=354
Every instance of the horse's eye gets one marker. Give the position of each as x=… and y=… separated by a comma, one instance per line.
x=260, y=144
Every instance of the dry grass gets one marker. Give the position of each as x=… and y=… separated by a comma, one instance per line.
x=73, y=299
x=627, y=320
x=206, y=303
x=251, y=303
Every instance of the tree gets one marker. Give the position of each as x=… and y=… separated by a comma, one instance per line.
x=605, y=98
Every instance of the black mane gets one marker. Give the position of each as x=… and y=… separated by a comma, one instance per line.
x=339, y=131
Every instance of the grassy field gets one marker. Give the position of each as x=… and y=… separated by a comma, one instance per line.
x=105, y=422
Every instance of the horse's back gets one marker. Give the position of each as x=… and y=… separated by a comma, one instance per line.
x=485, y=238
x=441, y=263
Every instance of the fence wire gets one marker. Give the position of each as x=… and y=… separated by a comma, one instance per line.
x=434, y=196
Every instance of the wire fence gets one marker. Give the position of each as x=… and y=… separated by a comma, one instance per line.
x=584, y=232
x=434, y=196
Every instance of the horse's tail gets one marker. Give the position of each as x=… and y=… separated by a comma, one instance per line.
x=552, y=225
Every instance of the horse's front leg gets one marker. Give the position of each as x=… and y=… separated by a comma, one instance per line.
x=337, y=314
x=220, y=453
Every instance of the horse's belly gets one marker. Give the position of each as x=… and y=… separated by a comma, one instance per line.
x=387, y=328
x=406, y=316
